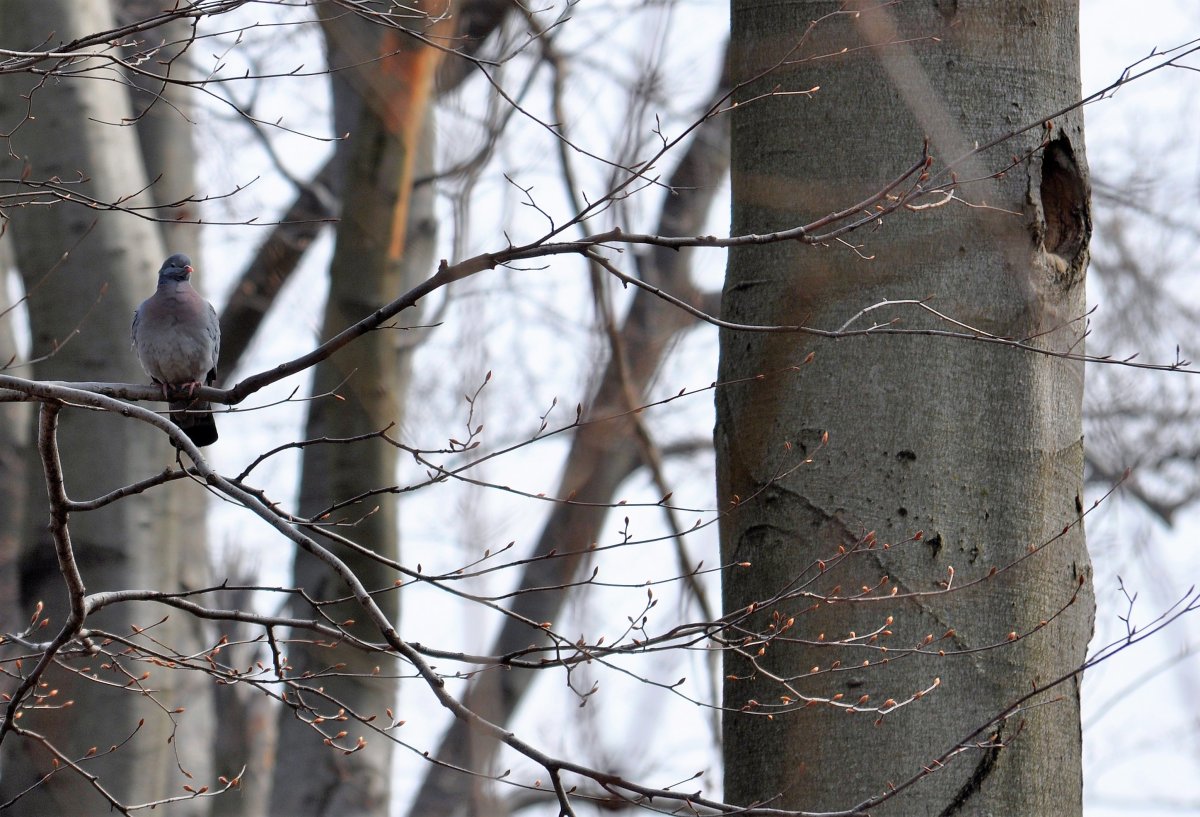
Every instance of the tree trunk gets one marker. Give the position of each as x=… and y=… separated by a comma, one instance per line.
x=383, y=105
x=602, y=456
x=977, y=446
x=166, y=136
x=14, y=443
x=86, y=272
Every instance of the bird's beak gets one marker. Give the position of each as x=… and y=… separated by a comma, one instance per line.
x=189, y=269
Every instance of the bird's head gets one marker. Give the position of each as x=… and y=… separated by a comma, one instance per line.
x=176, y=268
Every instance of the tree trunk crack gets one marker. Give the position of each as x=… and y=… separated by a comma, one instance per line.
x=983, y=770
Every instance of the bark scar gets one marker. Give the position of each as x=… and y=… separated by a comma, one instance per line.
x=983, y=770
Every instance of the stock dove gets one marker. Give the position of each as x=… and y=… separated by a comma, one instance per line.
x=177, y=338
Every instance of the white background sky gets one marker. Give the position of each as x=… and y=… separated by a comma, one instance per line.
x=1142, y=753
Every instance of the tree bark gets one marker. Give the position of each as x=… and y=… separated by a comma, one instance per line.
x=86, y=272
x=977, y=446
x=382, y=95
x=14, y=442
x=166, y=133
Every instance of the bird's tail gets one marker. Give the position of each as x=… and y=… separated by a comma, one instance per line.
x=195, y=419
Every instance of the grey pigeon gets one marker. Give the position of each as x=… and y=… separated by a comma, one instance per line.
x=177, y=338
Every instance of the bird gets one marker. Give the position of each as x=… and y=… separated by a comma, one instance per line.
x=177, y=338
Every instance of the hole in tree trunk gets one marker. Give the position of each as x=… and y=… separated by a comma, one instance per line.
x=1064, y=200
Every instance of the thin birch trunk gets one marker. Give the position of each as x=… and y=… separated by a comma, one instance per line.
x=86, y=272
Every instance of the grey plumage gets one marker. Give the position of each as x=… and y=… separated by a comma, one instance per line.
x=178, y=338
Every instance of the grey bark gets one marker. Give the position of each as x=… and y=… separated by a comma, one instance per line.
x=78, y=258
x=14, y=439
x=167, y=129
x=977, y=446
x=372, y=375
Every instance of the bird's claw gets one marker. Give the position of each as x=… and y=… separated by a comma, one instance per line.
x=190, y=385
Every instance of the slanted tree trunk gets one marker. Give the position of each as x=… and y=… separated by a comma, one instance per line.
x=86, y=272
x=977, y=446
x=602, y=456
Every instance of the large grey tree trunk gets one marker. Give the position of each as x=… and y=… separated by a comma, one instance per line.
x=978, y=446
x=88, y=271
